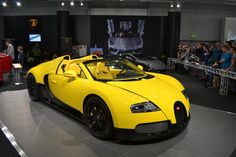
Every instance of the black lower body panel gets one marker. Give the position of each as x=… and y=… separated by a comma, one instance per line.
x=133, y=135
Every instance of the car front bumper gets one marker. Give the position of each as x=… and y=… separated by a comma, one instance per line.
x=158, y=130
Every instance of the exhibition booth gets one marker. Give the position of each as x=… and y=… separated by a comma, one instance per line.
x=76, y=81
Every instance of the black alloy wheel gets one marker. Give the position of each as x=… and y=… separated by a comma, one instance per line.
x=98, y=118
x=33, y=89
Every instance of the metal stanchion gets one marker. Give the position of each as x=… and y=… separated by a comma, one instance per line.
x=223, y=85
x=17, y=68
x=169, y=66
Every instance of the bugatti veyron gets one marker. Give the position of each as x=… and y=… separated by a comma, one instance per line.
x=114, y=96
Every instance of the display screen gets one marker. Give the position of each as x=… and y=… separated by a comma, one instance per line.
x=35, y=38
x=96, y=50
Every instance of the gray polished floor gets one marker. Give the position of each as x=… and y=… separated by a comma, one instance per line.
x=43, y=131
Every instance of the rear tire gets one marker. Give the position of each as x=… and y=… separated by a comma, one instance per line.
x=33, y=89
x=98, y=118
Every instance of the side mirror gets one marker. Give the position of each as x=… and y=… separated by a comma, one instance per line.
x=70, y=73
x=140, y=67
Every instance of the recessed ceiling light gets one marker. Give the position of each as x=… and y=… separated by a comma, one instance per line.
x=4, y=4
x=18, y=4
x=62, y=3
x=172, y=5
x=178, y=5
x=72, y=3
x=81, y=3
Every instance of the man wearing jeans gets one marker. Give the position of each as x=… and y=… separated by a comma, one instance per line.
x=10, y=52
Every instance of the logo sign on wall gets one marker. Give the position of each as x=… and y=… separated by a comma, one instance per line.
x=33, y=23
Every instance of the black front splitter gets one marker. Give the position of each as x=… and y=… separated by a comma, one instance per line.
x=124, y=135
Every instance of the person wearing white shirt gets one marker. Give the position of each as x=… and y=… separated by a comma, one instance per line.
x=10, y=49
x=10, y=52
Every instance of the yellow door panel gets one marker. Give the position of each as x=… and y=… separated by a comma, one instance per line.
x=68, y=90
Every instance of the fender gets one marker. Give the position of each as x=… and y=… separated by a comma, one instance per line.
x=45, y=68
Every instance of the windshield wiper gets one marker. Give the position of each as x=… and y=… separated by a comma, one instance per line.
x=148, y=76
x=133, y=79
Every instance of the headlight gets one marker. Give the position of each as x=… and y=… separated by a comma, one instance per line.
x=144, y=107
x=185, y=94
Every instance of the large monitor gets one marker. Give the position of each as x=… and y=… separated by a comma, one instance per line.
x=35, y=38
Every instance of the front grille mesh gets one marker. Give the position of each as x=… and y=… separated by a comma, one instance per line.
x=152, y=128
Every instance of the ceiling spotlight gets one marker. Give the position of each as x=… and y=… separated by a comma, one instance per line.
x=172, y=5
x=72, y=3
x=4, y=4
x=18, y=3
x=81, y=3
x=178, y=5
x=62, y=3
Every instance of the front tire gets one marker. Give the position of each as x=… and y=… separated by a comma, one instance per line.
x=98, y=118
x=33, y=89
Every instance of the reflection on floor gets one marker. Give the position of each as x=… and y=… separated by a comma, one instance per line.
x=8, y=83
x=44, y=131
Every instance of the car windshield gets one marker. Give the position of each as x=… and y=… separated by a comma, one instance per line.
x=114, y=70
x=143, y=57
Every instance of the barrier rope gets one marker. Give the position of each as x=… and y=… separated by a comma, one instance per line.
x=225, y=75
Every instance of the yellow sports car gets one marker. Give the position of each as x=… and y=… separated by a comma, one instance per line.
x=113, y=96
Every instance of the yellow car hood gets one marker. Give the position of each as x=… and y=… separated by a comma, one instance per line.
x=163, y=94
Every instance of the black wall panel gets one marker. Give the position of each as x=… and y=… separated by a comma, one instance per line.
x=81, y=29
x=18, y=28
x=66, y=45
x=155, y=36
x=159, y=33
x=174, y=19
x=64, y=23
x=1, y=32
x=63, y=30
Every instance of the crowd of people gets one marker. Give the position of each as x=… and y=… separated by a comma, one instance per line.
x=213, y=55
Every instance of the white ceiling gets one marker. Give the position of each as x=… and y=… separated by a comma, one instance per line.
x=132, y=3
x=224, y=2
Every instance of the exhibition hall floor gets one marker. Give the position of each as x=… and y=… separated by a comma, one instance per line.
x=41, y=130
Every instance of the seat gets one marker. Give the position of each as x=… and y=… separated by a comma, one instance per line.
x=91, y=67
x=102, y=72
x=75, y=67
